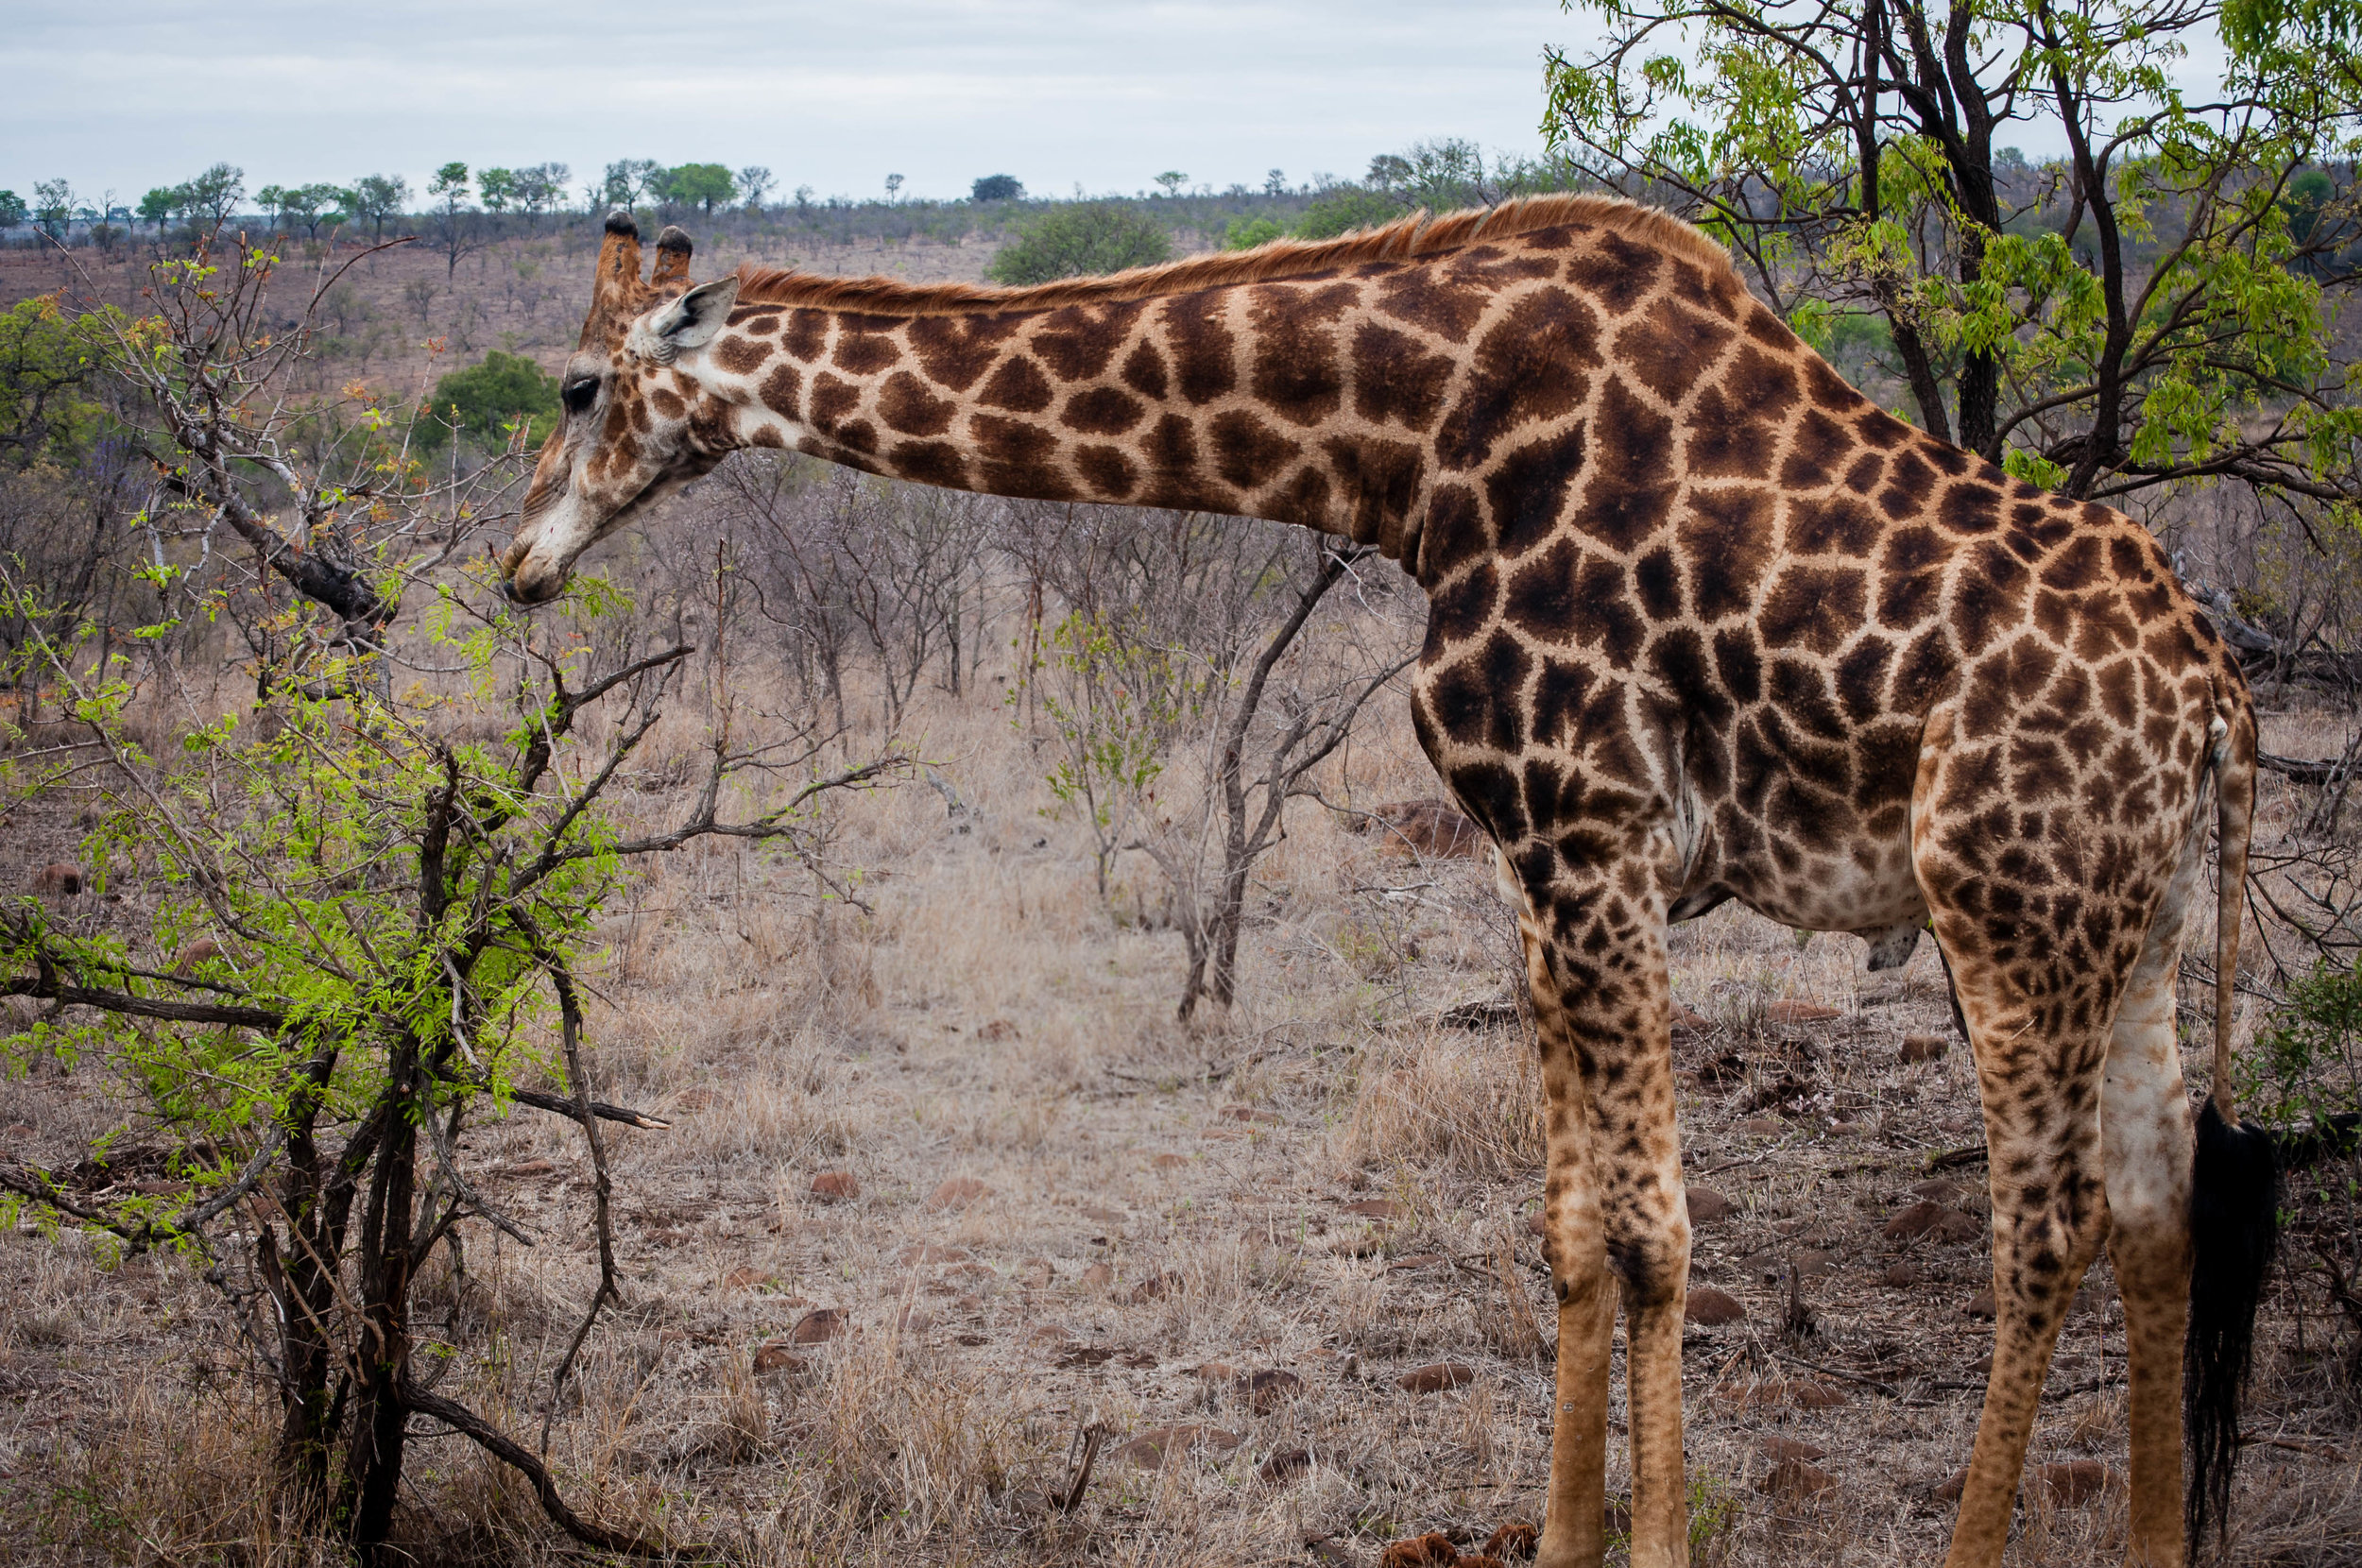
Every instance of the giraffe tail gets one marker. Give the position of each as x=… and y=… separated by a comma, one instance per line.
x=2234, y=1202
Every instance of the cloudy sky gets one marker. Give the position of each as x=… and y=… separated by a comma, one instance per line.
x=1105, y=93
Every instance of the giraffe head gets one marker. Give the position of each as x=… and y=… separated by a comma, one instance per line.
x=631, y=429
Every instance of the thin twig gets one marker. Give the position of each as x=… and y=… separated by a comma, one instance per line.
x=469, y=1424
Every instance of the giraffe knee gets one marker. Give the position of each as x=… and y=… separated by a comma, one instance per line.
x=1654, y=1267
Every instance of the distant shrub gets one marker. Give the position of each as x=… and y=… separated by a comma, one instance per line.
x=484, y=399
x=1340, y=211
x=1084, y=241
x=1246, y=233
x=996, y=187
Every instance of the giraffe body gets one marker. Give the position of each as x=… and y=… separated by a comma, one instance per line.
x=1706, y=623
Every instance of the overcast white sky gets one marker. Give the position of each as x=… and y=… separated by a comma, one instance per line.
x=126, y=94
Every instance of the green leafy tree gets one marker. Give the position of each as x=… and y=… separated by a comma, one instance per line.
x=163, y=204
x=2138, y=313
x=212, y=197
x=1171, y=180
x=754, y=183
x=313, y=205
x=1084, y=239
x=701, y=185
x=273, y=199
x=1246, y=233
x=631, y=180
x=996, y=187
x=398, y=894
x=13, y=209
x=454, y=232
x=497, y=188
x=52, y=366
x=506, y=398
x=53, y=206
x=1345, y=209
x=541, y=188
x=375, y=197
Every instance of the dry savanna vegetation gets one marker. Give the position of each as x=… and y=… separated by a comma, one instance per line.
x=1018, y=1136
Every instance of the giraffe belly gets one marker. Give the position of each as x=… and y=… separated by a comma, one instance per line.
x=1870, y=889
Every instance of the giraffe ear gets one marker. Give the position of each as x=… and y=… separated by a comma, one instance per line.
x=691, y=321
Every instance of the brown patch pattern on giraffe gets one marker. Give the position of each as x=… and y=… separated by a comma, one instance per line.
x=1705, y=624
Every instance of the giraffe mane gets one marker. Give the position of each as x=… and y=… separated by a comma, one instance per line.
x=1419, y=235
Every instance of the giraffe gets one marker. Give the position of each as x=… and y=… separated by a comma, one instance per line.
x=1705, y=623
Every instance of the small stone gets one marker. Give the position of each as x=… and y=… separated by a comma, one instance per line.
x=818, y=1326
x=1925, y=1219
x=1284, y=1466
x=1901, y=1276
x=931, y=1253
x=744, y=1277
x=1923, y=1048
x=1155, y=1449
x=779, y=1358
x=1705, y=1205
x=1435, y=1378
x=835, y=1187
x=1098, y=1277
x=1170, y=1162
x=2076, y=1482
x=1268, y=1390
x=1796, y=1479
x=62, y=878
x=1434, y=1550
x=1712, y=1308
x=1981, y=1304
x=1800, y=1012
x=1382, y=1209
x=1778, y=1448
x=958, y=1193
x=1513, y=1543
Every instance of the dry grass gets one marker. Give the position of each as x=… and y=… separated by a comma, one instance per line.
x=1165, y=1215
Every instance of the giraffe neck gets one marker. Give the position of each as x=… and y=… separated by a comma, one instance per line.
x=1200, y=402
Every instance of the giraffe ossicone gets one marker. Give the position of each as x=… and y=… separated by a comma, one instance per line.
x=1706, y=623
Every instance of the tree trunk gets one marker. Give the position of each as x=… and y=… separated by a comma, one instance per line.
x=373, y=1466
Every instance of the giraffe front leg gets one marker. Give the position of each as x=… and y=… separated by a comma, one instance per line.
x=1574, y=1517
x=1611, y=1103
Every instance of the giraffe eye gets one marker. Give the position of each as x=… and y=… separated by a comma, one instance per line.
x=580, y=395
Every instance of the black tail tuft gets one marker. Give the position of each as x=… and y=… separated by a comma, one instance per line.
x=2234, y=1229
